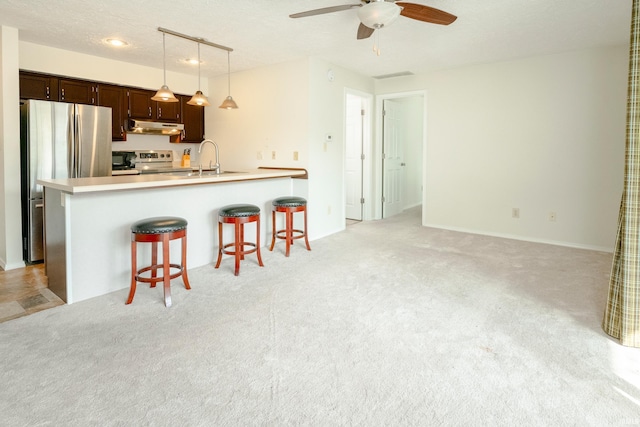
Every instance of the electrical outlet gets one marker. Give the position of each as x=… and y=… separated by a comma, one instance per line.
x=552, y=216
x=329, y=210
x=273, y=155
x=259, y=155
x=295, y=155
x=515, y=212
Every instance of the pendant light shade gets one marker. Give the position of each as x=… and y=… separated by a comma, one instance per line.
x=199, y=98
x=229, y=103
x=164, y=94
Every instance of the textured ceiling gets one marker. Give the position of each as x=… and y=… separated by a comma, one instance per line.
x=261, y=33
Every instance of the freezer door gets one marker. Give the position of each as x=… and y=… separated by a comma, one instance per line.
x=92, y=144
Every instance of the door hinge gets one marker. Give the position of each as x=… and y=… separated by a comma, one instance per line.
x=362, y=112
x=362, y=200
x=384, y=113
x=383, y=199
x=362, y=156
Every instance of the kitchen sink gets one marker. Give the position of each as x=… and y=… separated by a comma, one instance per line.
x=197, y=174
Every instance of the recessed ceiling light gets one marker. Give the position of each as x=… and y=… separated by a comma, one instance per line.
x=192, y=61
x=116, y=42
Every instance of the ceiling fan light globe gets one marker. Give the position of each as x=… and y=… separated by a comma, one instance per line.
x=378, y=14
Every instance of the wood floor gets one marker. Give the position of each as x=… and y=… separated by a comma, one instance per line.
x=24, y=291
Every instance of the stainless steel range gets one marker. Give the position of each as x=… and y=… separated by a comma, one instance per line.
x=156, y=161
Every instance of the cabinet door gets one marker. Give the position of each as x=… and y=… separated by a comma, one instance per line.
x=38, y=86
x=140, y=104
x=77, y=91
x=168, y=111
x=116, y=98
x=193, y=119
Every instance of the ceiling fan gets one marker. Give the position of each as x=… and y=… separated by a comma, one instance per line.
x=376, y=14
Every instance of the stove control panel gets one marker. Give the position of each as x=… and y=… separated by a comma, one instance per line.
x=154, y=156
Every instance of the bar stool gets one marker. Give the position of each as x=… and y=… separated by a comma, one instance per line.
x=289, y=205
x=156, y=230
x=239, y=215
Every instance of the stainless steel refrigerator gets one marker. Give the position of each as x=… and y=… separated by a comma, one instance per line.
x=58, y=140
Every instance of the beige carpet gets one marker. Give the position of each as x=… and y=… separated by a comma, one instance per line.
x=387, y=323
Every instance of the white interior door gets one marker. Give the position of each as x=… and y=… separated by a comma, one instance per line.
x=354, y=158
x=392, y=158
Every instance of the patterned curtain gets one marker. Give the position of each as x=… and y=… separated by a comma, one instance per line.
x=622, y=313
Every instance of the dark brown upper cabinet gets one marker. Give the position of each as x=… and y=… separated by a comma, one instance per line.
x=77, y=91
x=193, y=119
x=115, y=97
x=140, y=104
x=38, y=86
x=168, y=111
x=125, y=103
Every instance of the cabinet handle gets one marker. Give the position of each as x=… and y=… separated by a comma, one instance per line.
x=121, y=130
x=62, y=93
x=149, y=111
x=159, y=111
x=47, y=92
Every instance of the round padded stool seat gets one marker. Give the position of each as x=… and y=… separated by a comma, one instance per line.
x=289, y=201
x=240, y=210
x=160, y=224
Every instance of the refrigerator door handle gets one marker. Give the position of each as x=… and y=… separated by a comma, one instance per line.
x=78, y=142
x=71, y=164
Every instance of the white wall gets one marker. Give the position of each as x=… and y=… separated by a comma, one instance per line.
x=10, y=222
x=286, y=108
x=543, y=134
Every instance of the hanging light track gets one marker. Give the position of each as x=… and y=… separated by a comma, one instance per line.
x=198, y=98
x=195, y=39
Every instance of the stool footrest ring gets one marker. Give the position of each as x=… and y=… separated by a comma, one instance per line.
x=158, y=267
x=242, y=251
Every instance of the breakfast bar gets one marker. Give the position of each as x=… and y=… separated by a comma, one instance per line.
x=88, y=220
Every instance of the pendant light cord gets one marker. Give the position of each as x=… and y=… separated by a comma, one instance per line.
x=229, y=73
x=198, y=66
x=164, y=60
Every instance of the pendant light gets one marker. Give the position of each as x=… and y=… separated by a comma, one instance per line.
x=164, y=94
x=229, y=103
x=199, y=98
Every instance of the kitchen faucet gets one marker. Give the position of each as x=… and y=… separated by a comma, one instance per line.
x=215, y=167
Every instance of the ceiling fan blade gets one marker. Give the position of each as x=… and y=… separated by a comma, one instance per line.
x=426, y=13
x=364, y=32
x=325, y=10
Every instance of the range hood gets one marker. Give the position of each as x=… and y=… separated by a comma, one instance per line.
x=155, y=128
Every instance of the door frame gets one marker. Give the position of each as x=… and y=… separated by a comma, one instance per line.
x=367, y=164
x=378, y=184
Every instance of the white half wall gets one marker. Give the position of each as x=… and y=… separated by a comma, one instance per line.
x=544, y=135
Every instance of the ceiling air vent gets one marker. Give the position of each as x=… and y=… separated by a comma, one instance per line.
x=400, y=74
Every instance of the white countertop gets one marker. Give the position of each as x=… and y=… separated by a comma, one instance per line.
x=131, y=182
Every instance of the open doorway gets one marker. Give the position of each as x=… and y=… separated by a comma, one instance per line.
x=401, y=147
x=357, y=144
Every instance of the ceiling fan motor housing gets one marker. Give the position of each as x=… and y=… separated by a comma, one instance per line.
x=378, y=14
